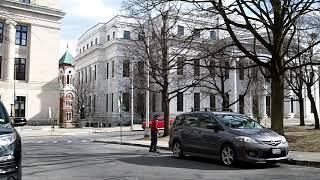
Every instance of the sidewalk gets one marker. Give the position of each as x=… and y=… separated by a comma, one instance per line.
x=38, y=131
x=311, y=159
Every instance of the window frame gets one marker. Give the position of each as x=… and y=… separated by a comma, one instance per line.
x=180, y=102
x=22, y=30
x=18, y=69
x=1, y=31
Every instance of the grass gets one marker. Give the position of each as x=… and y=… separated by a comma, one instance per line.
x=303, y=138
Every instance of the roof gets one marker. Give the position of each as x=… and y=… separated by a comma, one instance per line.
x=67, y=58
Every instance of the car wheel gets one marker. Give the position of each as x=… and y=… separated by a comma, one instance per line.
x=228, y=155
x=177, y=150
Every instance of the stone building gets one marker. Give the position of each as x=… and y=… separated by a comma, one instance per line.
x=29, y=47
x=99, y=63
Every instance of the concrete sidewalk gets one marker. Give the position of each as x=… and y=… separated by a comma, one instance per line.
x=311, y=159
x=38, y=131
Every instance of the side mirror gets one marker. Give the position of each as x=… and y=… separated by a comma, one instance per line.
x=214, y=127
x=19, y=122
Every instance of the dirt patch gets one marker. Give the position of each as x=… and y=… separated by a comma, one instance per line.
x=303, y=138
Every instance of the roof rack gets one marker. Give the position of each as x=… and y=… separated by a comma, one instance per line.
x=211, y=109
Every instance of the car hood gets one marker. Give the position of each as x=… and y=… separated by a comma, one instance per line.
x=6, y=129
x=257, y=134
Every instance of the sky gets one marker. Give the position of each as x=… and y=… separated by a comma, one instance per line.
x=82, y=15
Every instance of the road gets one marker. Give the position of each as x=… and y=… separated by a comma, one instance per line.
x=78, y=158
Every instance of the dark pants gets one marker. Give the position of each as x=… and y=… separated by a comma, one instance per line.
x=154, y=140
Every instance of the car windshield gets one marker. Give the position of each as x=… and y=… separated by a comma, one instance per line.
x=239, y=122
x=3, y=115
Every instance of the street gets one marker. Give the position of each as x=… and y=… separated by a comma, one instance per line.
x=76, y=157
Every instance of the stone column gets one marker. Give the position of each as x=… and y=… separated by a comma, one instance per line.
x=287, y=106
x=248, y=105
x=9, y=75
x=263, y=104
x=233, y=85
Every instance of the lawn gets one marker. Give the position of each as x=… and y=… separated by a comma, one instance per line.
x=303, y=138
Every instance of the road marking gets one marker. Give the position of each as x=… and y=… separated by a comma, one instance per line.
x=55, y=141
x=69, y=141
x=84, y=141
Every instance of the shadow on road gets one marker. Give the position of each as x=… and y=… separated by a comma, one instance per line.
x=189, y=162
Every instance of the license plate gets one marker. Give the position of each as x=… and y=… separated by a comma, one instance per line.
x=276, y=151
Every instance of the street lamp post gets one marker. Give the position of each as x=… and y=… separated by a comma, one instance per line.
x=147, y=130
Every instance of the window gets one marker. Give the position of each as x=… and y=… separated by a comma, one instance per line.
x=180, y=66
x=25, y=1
x=111, y=102
x=267, y=75
x=226, y=70
x=69, y=116
x=87, y=46
x=212, y=68
x=212, y=102
x=96, y=41
x=95, y=72
x=226, y=103
x=91, y=43
x=126, y=68
x=1, y=32
x=0, y=66
x=83, y=48
x=180, y=30
x=107, y=102
x=205, y=120
x=94, y=103
x=180, y=101
x=241, y=70
x=112, y=72
x=107, y=70
x=126, y=35
x=241, y=104
x=113, y=34
x=193, y=121
x=196, y=67
x=140, y=37
x=268, y=105
x=196, y=33
x=90, y=74
x=292, y=105
x=21, y=35
x=20, y=69
x=69, y=79
x=196, y=101
x=20, y=106
x=213, y=35
x=108, y=38
x=141, y=68
x=68, y=103
x=79, y=51
x=86, y=73
x=141, y=104
x=126, y=100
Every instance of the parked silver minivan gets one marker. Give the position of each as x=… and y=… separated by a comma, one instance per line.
x=231, y=137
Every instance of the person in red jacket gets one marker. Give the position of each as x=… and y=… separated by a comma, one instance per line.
x=154, y=134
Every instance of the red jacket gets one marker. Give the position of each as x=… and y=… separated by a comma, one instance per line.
x=154, y=126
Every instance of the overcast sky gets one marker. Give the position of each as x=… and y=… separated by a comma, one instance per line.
x=81, y=15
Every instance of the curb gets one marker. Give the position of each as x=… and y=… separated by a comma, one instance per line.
x=303, y=163
x=289, y=161
x=129, y=144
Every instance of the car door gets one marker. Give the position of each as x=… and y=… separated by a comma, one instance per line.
x=209, y=138
x=191, y=133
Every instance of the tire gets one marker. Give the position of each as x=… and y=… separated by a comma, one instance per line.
x=177, y=151
x=228, y=155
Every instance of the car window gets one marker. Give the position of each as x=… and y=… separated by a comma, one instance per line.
x=192, y=121
x=239, y=122
x=4, y=119
x=205, y=120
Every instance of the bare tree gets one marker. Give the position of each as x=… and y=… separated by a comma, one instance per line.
x=81, y=100
x=271, y=23
x=158, y=48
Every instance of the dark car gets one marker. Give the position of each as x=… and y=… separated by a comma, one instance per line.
x=10, y=148
x=231, y=137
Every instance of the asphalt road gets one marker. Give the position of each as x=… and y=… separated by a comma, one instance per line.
x=78, y=158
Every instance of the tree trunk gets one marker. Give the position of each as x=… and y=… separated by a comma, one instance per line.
x=166, y=112
x=301, y=107
x=313, y=107
x=277, y=103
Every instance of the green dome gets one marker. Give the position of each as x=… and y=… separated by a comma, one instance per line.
x=66, y=58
